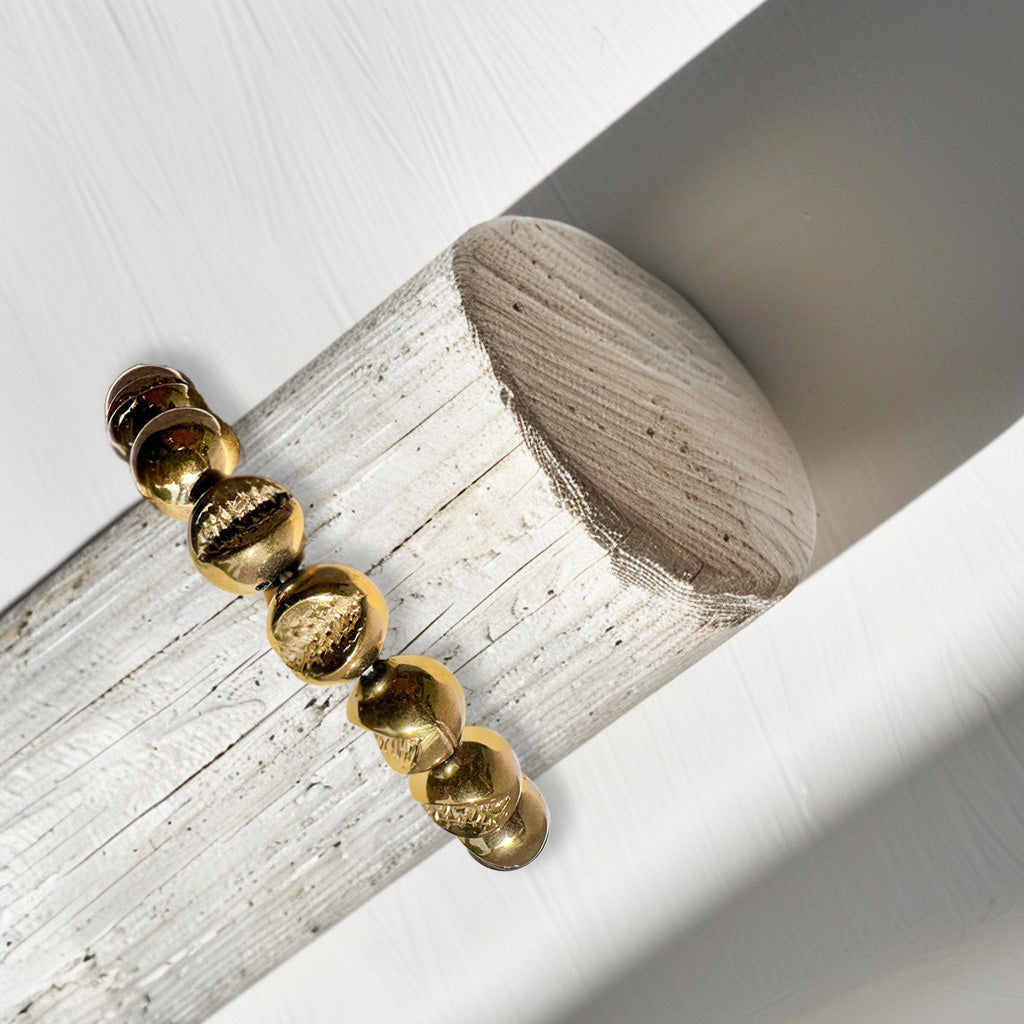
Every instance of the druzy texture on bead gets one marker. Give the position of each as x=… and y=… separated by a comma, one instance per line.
x=476, y=790
x=415, y=708
x=244, y=532
x=178, y=454
x=327, y=623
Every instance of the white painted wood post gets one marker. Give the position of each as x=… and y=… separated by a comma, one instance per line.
x=567, y=489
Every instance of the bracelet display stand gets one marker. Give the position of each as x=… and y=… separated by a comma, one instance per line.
x=566, y=488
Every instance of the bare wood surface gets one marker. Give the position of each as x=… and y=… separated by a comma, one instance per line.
x=567, y=489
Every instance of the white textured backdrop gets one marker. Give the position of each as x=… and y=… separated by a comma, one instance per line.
x=228, y=186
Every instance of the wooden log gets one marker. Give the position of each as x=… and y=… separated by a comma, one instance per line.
x=567, y=489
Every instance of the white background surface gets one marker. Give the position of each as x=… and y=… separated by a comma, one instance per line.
x=824, y=819
x=228, y=187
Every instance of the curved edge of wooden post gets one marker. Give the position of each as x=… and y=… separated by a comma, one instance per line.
x=653, y=431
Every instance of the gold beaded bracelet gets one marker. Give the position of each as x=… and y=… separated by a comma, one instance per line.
x=326, y=622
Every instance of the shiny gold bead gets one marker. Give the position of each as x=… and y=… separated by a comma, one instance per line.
x=415, y=708
x=178, y=454
x=476, y=790
x=244, y=532
x=520, y=839
x=327, y=624
x=141, y=393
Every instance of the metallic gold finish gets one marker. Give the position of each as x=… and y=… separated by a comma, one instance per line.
x=327, y=624
x=244, y=532
x=520, y=839
x=415, y=708
x=141, y=393
x=178, y=454
x=476, y=790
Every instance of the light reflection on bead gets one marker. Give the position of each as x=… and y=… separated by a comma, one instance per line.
x=178, y=454
x=141, y=393
x=476, y=790
x=520, y=839
x=415, y=708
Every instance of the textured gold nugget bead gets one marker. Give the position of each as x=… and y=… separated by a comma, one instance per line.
x=327, y=624
x=520, y=839
x=244, y=532
x=476, y=790
x=178, y=454
x=141, y=393
x=415, y=708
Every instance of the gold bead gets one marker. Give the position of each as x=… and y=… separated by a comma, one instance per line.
x=244, y=532
x=141, y=393
x=178, y=454
x=520, y=839
x=476, y=790
x=415, y=708
x=327, y=624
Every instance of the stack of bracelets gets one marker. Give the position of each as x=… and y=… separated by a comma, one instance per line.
x=326, y=622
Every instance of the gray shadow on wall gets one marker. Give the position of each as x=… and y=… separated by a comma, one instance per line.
x=893, y=885
x=839, y=189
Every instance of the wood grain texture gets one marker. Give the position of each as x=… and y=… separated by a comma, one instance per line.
x=179, y=813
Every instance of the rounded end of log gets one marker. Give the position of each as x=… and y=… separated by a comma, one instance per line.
x=646, y=424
